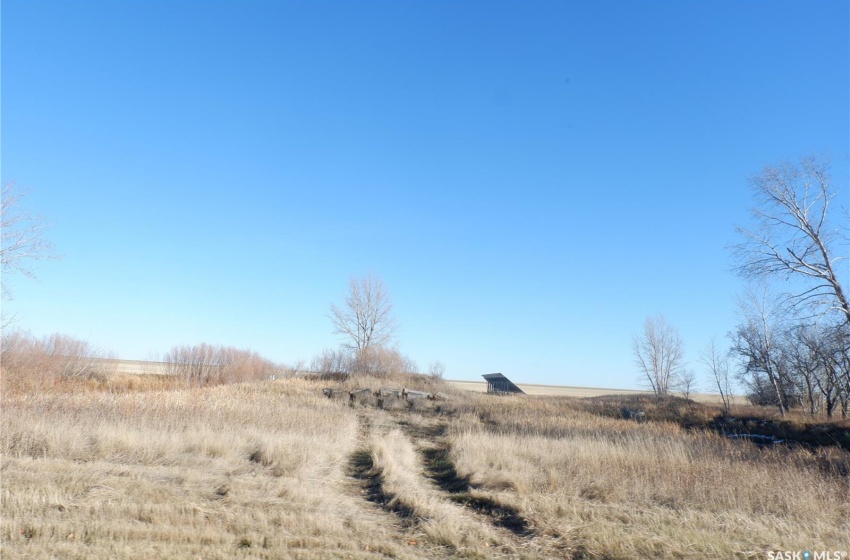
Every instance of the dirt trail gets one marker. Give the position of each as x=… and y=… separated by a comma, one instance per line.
x=434, y=447
x=362, y=469
x=439, y=483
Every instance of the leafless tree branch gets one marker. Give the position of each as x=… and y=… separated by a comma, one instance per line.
x=792, y=235
x=365, y=319
x=22, y=241
x=717, y=364
x=659, y=355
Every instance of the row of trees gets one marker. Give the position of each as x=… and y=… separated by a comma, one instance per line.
x=787, y=360
x=39, y=362
x=792, y=348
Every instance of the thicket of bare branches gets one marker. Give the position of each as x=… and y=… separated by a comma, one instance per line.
x=686, y=383
x=22, y=241
x=206, y=364
x=791, y=362
x=436, y=370
x=756, y=343
x=29, y=361
x=382, y=362
x=23, y=236
x=332, y=363
x=659, y=355
x=802, y=365
x=794, y=235
x=365, y=320
x=375, y=362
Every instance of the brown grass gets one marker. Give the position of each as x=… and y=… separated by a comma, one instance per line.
x=651, y=490
x=267, y=470
x=250, y=471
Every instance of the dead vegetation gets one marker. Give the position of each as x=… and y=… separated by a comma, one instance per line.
x=276, y=469
x=611, y=486
x=757, y=422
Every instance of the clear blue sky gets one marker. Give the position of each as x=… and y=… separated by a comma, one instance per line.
x=530, y=179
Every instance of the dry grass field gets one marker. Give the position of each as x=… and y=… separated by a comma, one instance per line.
x=276, y=470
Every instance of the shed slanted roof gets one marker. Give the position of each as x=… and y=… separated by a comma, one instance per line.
x=502, y=381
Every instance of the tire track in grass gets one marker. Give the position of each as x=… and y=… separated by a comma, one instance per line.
x=362, y=468
x=442, y=471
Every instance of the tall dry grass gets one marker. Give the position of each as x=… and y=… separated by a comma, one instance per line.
x=399, y=466
x=266, y=470
x=240, y=471
x=621, y=489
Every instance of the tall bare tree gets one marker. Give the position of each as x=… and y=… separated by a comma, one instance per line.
x=659, y=353
x=757, y=342
x=717, y=363
x=365, y=320
x=793, y=235
x=820, y=356
x=22, y=241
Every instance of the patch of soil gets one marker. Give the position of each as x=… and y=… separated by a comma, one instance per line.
x=441, y=469
x=502, y=515
x=362, y=468
x=422, y=431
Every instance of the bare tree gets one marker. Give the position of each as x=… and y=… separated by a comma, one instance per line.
x=800, y=355
x=717, y=363
x=23, y=239
x=793, y=236
x=436, y=370
x=686, y=383
x=825, y=363
x=840, y=357
x=365, y=320
x=659, y=354
x=757, y=343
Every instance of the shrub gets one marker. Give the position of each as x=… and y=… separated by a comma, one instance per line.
x=30, y=363
x=377, y=362
x=205, y=364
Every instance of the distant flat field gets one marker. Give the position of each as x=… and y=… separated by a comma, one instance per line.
x=565, y=391
x=140, y=367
